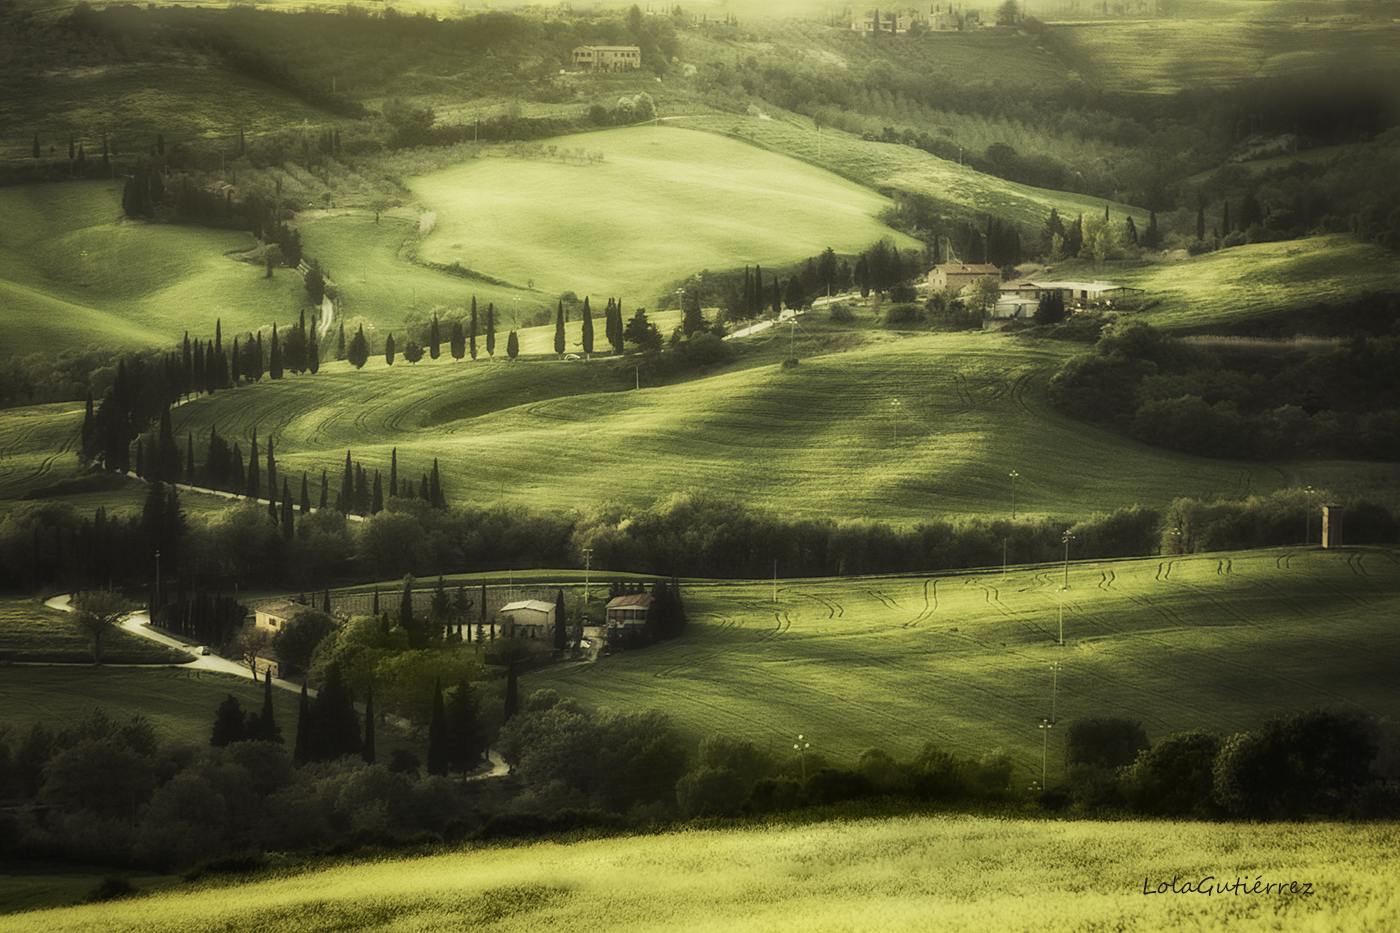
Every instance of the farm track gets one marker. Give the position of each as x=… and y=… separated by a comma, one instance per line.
x=930, y=605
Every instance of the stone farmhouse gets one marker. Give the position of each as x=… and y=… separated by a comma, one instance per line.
x=608, y=57
x=1075, y=294
x=865, y=25
x=958, y=275
x=273, y=617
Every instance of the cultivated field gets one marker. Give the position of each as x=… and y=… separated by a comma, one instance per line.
x=824, y=438
x=74, y=273
x=33, y=633
x=1219, y=641
x=889, y=165
x=662, y=204
x=960, y=874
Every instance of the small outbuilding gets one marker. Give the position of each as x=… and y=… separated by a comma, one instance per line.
x=273, y=617
x=529, y=618
x=958, y=275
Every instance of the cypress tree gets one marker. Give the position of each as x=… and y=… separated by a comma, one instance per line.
x=471, y=330
x=406, y=620
x=189, y=457
x=254, y=487
x=340, y=343
x=325, y=487
x=229, y=724
x=305, y=494
x=587, y=327
x=463, y=741
x=512, y=704
x=368, y=751
x=362, y=498
x=376, y=504
x=313, y=353
x=434, y=339
x=375, y=608
x=268, y=730
x=437, y=734
x=274, y=365
x=389, y=349
x=288, y=522
x=435, y=496
x=271, y=474
x=235, y=364
x=559, y=343
x=236, y=477
x=490, y=329
x=458, y=341
x=347, y=486
x=358, y=354
x=336, y=726
x=394, y=473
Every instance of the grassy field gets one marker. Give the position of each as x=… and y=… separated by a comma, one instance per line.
x=1248, y=284
x=888, y=165
x=1168, y=55
x=31, y=632
x=662, y=204
x=959, y=874
x=1220, y=642
x=824, y=438
x=73, y=273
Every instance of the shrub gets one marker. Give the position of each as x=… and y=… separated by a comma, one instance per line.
x=110, y=888
x=1104, y=742
x=841, y=313
x=1175, y=777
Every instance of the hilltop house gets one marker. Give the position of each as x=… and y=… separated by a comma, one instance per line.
x=629, y=611
x=957, y=276
x=608, y=57
x=865, y=25
x=273, y=617
x=530, y=618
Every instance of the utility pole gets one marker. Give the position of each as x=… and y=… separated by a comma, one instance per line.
x=1045, y=725
x=1054, y=689
x=1013, y=474
x=1068, y=538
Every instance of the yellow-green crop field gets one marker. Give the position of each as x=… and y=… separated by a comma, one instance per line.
x=1218, y=641
x=73, y=273
x=956, y=874
x=890, y=165
x=825, y=438
x=662, y=204
x=1164, y=56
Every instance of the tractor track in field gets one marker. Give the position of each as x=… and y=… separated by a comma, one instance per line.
x=887, y=601
x=1354, y=562
x=1106, y=579
x=993, y=597
x=963, y=392
x=834, y=610
x=1164, y=570
x=930, y=605
x=1169, y=614
x=1020, y=388
x=1284, y=562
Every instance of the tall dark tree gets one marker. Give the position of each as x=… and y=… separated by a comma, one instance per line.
x=434, y=338
x=267, y=728
x=587, y=327
x=376, y=504
x=340, y=349
x=512, y=704
x=394, y=473
x=559, y=343
x=288, y=520
x=435, y=496
x=358, y=353
x=228, y=724
x=490, y=329
x=389, y=349
x=472, y=329
x=458, y=341
x=512, y=345
x=254, y=486
x=274, y=364
x=347, y=486
x=325, y=490
x=464, y=740
x=271, y=473
x=336, y=727
x=406, y=620
x=313, y=353
x=305, y=494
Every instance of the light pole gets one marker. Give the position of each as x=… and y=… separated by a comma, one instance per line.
x=894, y=420
x=802, y=747
x=1013, y=474
x=1045, y=726
x=587, y=565
x=1068, y=538
x=1054, y=689
x=1062, y=618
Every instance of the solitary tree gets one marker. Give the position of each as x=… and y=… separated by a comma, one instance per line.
x=512, y=345
x=982, y=294
x=559, y=343
x=458, y=341
x=490, y=329
x=587, y=327
x=434, y=340
x=358, y=352
x=389, y=349
x=98, y=612
x=228, y=723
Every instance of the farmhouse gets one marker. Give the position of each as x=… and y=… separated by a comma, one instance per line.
x=608, y=57
x=273, y=617
x=529, y=618
x=1075, y=294
x=865, y=25
x=628, y=611
x=957, y=276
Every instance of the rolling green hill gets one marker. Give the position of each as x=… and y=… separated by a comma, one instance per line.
x=964, y=874
x=74, y=273
x=660, y=205
x=1217, y=641
x=823, y=438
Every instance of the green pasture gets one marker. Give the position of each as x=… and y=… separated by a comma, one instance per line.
x=900, y=429
x=134, y=103
x=179, y=702
x=1218, y=641
x=33, y=632
x=74, y=273
x=1246, y=284
x=662, y=204
x=38, y=446
x=890, y=165
x=1163, y=56
x=955, y=873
